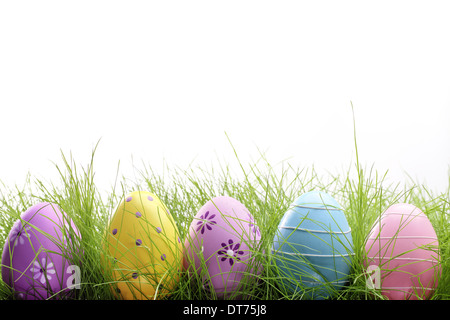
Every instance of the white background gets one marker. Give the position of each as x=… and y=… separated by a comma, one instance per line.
x=162, y=80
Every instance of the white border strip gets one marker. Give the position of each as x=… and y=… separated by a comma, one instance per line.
x=317, y=208
x=326, y=283
x=406, y=288
x=313, y=255
x=408, y=215
x=316, y=231
x=404, y=237
x=400, y=258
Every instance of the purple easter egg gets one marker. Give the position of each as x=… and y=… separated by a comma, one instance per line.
x=224, y=235
x=35, y=262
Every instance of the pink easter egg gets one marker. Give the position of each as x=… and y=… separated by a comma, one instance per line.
x=223, y=237
x=36, y=258
x=403, y=254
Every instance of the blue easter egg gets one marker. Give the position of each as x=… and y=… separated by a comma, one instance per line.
x=313, y=247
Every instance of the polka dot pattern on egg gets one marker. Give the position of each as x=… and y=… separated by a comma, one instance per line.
x=142, y=235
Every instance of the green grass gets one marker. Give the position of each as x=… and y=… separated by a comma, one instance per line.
x=265, y=189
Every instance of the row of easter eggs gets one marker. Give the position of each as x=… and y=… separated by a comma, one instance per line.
x=312, y=249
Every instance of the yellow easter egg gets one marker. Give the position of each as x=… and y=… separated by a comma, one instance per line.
x=143, y=248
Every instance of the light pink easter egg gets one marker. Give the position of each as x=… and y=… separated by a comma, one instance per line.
x=403, y=252
x=223, y=237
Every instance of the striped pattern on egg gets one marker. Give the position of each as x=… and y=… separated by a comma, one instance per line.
x=313, y=247
x=403, y=258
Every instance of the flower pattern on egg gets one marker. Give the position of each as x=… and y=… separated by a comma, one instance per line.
x=230, y=251
x=42, y=271
x=19, y=234
x=206, y=221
